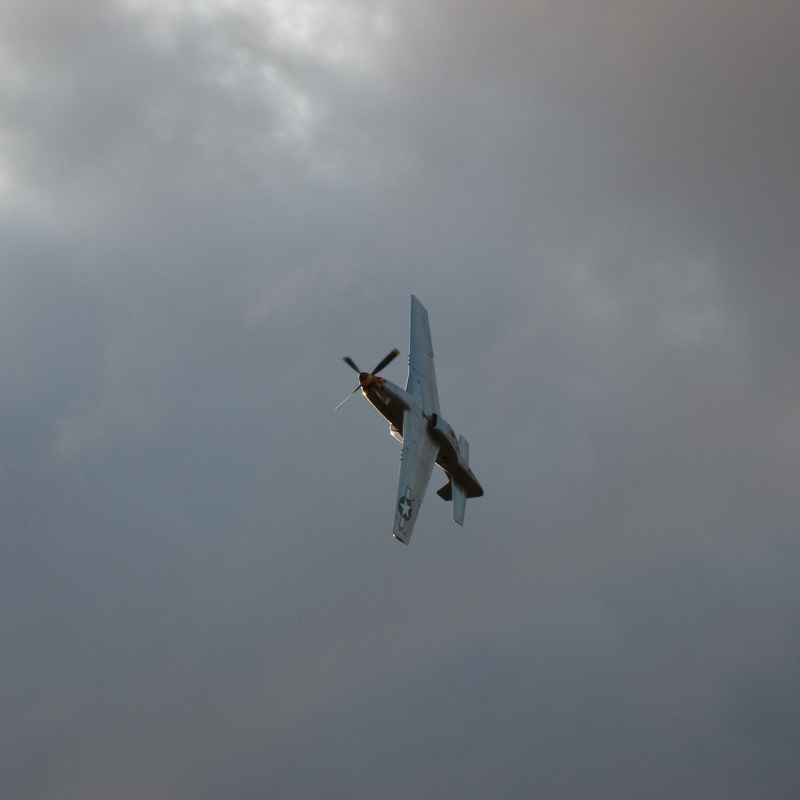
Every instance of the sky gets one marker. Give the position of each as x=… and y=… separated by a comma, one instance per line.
x=205, y=205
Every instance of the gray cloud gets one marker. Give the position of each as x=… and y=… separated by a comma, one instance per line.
x=205, y=206
x=618, y=692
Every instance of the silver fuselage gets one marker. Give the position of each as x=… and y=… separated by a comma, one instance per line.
x=392, y=402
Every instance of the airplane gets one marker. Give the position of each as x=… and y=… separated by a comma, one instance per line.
x=415, y=421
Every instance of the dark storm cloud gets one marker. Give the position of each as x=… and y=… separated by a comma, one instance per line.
x=204, y=206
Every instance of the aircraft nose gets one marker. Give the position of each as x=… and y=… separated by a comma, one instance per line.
x=364, y=378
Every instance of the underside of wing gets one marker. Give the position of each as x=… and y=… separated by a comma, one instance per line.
x=421, y=375
x=416, y=465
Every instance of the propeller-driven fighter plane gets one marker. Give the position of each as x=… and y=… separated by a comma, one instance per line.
x=415, y=421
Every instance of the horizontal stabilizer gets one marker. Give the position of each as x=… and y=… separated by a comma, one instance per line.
x=452, y=491
x=459, y=502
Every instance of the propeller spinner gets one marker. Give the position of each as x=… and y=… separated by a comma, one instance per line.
x=366, y=378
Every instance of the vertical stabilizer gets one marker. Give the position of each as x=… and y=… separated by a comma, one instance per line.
x=463, y=449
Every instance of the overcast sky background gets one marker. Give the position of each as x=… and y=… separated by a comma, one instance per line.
x=205, y=204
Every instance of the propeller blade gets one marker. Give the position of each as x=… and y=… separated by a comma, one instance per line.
x=386, y=361
x=347, y=398
x=350, y=363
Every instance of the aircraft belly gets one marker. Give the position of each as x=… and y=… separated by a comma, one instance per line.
x=391, y=402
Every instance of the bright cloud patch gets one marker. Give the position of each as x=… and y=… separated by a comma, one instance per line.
x=344, y=34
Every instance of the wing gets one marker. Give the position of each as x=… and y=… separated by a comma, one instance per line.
x=421, y=374
x=416, y=466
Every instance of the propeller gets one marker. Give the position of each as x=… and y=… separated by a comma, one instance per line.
x=347, y=398
x=366, y=378
x=386, y=361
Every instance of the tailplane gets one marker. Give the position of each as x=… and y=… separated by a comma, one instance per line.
x=459, y=495
x=459, y=503
x=454, y=491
